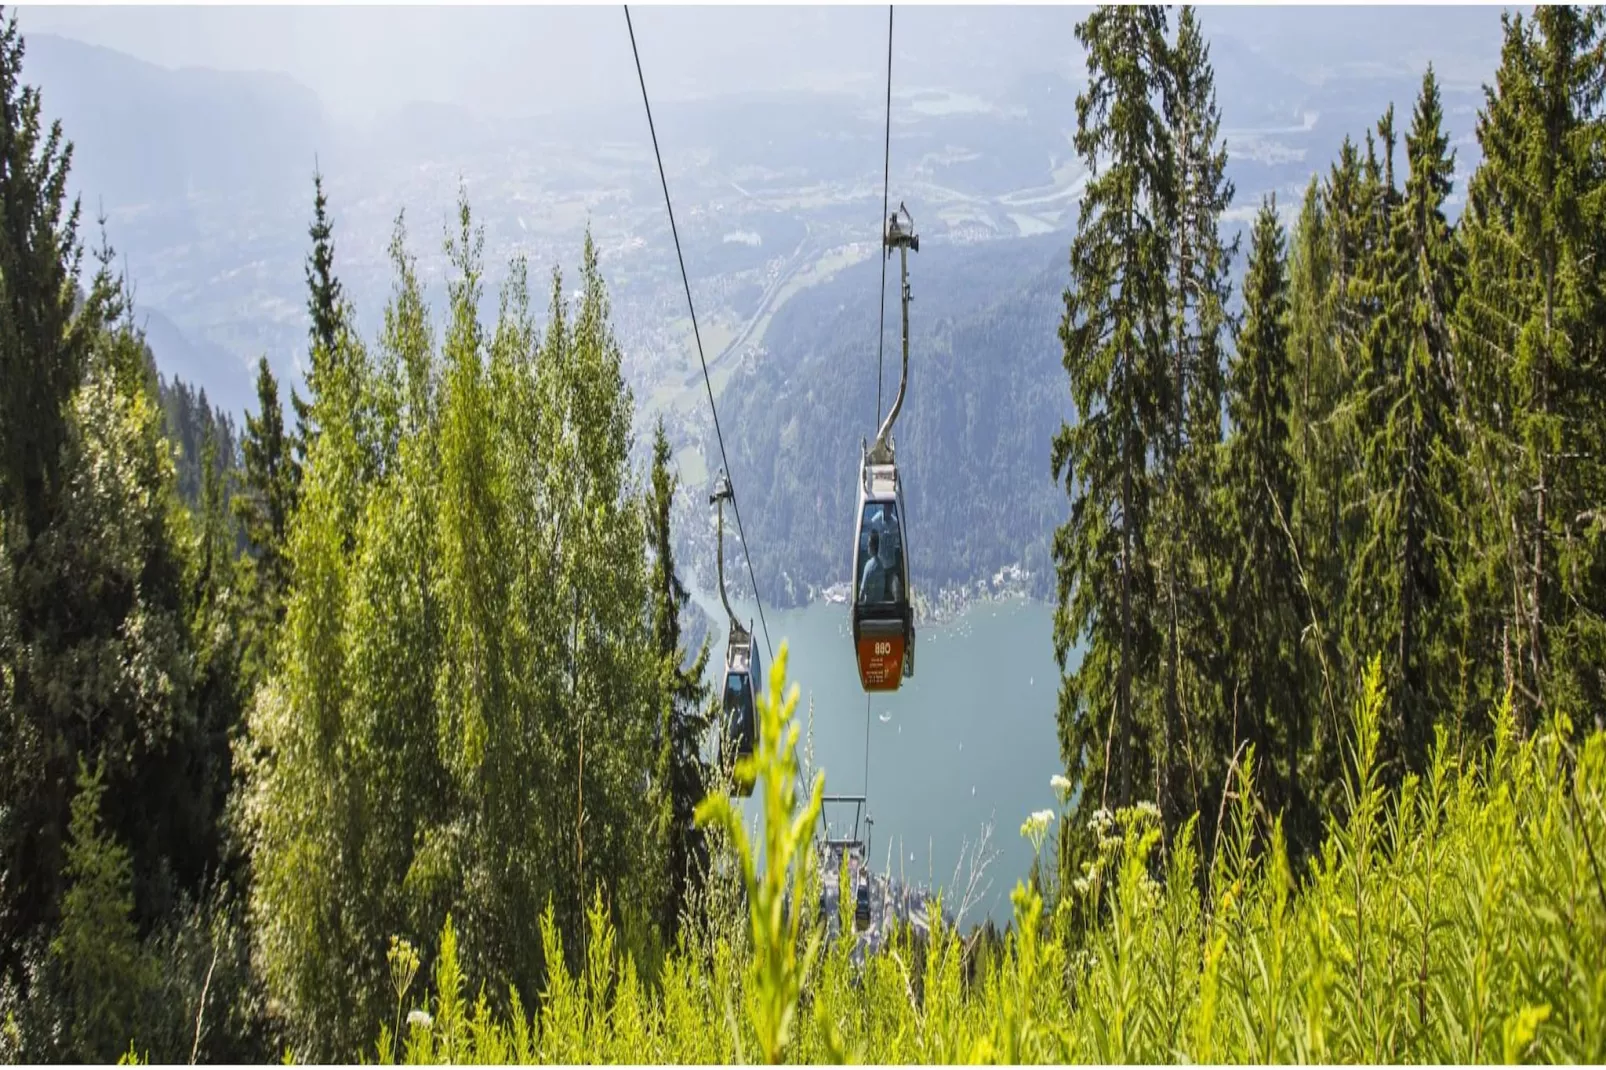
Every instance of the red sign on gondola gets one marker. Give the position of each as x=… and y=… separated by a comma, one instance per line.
x=881, y=662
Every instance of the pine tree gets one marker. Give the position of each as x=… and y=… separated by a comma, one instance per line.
x=681, y=775
x=1330, y=323
x=43, y=342
x=104, y=972
x=268, y=499
x=1263, y=592
x=324, y=304
x=218, y=631
x=1114, y=332
x=1322, y=436
x=1530, y=325
x=1189, y=542
x=1410, y=451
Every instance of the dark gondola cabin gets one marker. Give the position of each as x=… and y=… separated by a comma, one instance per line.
x=743, y=677
x=861, y=905
x=883, y=618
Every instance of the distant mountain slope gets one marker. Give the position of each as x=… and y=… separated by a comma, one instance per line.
x=209, y=367
x=205, y=177
x=987, y=393
x=144, y=133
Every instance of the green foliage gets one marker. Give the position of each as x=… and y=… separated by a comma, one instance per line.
x=1405, y=559
x=681, y=775
x=263, y=505
x=1460, y=920
x=96, y=948
x=470, y=612
x=1529, y=327
x=1259, y=484
x=1114, y=333
x=776, y=911
x=1191, y=548
x=470, y=696
x=43, y=340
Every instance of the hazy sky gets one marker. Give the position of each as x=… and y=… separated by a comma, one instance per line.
x=516, y=60
x=519, y=60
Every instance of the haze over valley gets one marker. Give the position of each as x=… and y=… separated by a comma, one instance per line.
x=196, y=132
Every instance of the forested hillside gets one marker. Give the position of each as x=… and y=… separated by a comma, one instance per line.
x=1410, y=466
x=985, y=394
x=231, y=777
x=371, y=729
x=196, y=426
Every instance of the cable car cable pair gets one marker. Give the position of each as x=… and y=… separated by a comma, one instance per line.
x=743, y=674
x=691, y=309
x=881, y=605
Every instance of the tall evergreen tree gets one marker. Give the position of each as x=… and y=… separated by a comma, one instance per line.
x=43, y=342
x=1189, y=542
x=96, y=953
x=681, y=775
x=1530, y=324
x=324, y=304
x=1114, y=332
x=94, y=640
x=1410, y=452
x=1263, y=592
x=267, y=497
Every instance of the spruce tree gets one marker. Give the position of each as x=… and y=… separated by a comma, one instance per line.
x=1189, y=541
x=681, y=775
x=95, y=645
x=268, y=493
x=103, y=971
x=1531, y=324
x=1263, y=593
x=324, y=305
x=1411, y=447
x=1114, y=333
x=43, y=342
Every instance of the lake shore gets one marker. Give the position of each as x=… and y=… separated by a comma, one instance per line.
x=1008, y=584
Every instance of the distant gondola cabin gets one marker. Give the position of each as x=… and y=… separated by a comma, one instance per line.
x=743, y=677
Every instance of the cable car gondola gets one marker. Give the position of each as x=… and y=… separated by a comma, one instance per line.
x=744, y=673
x=883, y=614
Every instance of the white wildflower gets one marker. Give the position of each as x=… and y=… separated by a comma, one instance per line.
x=1036, y=827
x=1061, y=786
x=1101, y=820
x=1148, y=809
x=420, y=1018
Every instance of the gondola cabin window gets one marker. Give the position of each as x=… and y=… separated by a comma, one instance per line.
x=878, y=571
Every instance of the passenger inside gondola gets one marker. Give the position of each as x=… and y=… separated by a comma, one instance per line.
x=873, y=582
x=880, y=556
x=739, y=713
